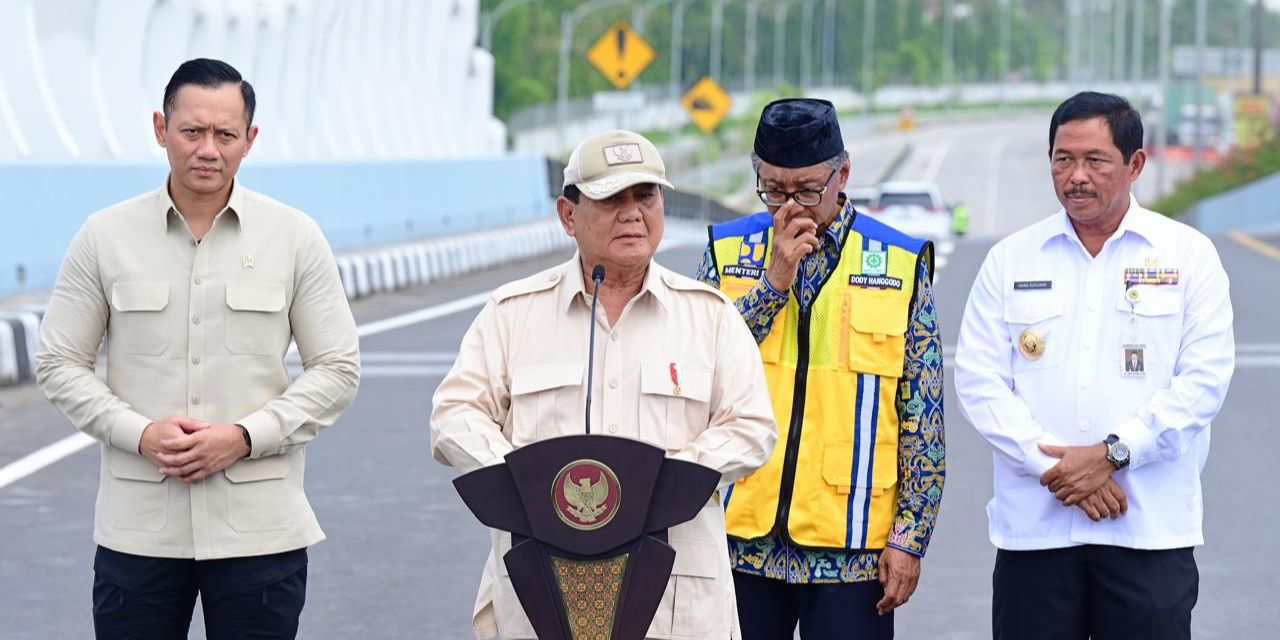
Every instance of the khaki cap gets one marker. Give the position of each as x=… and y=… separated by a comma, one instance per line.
x=609, y=162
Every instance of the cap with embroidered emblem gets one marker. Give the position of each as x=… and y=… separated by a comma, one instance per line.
x=606, y=163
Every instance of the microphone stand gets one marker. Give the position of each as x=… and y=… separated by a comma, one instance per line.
x=597, y=276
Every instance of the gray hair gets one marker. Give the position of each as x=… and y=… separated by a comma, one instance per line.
x=834, y=162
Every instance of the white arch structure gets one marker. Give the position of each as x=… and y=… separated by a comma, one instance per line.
x=375, y=79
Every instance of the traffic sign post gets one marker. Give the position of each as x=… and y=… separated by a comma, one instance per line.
x=621, y=55
x=707, y=104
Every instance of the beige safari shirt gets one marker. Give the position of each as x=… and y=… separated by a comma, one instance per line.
x=520, y=377
x=200, y=330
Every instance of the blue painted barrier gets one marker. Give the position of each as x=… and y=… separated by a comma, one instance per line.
x=355, y=203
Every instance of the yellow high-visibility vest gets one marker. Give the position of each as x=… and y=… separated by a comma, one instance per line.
x=833, y=374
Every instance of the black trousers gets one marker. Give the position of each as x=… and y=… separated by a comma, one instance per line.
x=1094, y=591
x=769, y=610
x=144, y=598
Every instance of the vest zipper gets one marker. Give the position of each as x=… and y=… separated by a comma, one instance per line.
x=792, y=456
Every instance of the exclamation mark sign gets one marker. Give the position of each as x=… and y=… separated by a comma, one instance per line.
x=622, y=49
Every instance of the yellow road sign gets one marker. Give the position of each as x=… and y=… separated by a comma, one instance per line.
x=620, y=54
x=707, y=104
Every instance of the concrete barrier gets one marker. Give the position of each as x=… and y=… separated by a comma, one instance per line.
x=19, y=342
x=406, y=265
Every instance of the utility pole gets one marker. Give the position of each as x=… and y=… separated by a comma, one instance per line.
x=717, y=38
x=806, y=43
x=1006, y=11
x=1201, y=19
x=1259, y=20
x=868, y=50
x=749, y=47
x=1166, y=9
x=779, y=42
x=829, y=45
x=1117, y=53
x=677, y=47
x=1139, y=35
x=948, y=48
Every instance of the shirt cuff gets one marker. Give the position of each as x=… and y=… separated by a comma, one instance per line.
x=918, y=554
x=264, y=433
x=126, y=431
x=1037, y=461
x=769, y=294
x=1136, y=435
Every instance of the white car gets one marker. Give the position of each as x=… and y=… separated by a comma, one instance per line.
x=861, y=197
x=914, y=208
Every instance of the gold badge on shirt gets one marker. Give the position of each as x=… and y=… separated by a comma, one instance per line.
x=1031, y=344
x=246, y=262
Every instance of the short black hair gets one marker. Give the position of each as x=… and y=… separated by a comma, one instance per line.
x=210, y=74
x=1120, y=116
x=572, y=192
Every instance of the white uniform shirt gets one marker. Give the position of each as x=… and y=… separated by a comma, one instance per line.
x=1041, y=279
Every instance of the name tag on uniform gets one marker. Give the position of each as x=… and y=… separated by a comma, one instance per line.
x=1135, y=361
x=743, y=271
x=875, y=282
x=1032, y=285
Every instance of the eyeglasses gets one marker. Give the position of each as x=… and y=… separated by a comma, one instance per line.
x=804, y=197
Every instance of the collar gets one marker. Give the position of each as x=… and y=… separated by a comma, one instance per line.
x=572, y=286
x=235, y=205
x=1137, y=221
x=838, y=230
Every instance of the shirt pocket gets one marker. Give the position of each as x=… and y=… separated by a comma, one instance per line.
x=1041, y=315
x=258, y=496
x=876, y=336
x=139, y=326
x=837, y=467
x=543, y=399
x=673, y=415
x=256, y=318
x=1154, y=321
x=138, y=495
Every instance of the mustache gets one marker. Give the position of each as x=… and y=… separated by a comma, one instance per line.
x=1080, y=192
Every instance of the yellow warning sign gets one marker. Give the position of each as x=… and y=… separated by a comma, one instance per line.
x=620, y=54
x=707, y=104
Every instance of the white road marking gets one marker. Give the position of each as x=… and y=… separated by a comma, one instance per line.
x=935, y=163
x=42, y=458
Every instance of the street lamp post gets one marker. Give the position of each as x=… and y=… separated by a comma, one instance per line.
x=868, y=49
x=1139, y=34
x=677, y=47
x=948, y=47
x=1162, y=138
x=749, y=47
x=717, y=39
x=568, y=21
x=1201, y=18
x=1006, y=11
x=806, y=46
x=491, y=18
x=829, y=45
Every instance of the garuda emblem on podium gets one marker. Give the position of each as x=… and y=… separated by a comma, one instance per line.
x=586, y=494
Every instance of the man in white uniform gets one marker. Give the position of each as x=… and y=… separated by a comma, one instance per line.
x=1095, y=350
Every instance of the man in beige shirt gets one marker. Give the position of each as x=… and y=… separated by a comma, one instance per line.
x=675, y=366
x=198, y=288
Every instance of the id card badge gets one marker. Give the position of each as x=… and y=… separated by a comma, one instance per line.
x=1134, y=360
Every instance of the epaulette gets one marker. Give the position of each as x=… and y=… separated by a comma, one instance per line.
x=532, y=284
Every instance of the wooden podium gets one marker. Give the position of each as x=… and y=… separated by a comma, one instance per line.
x=588, y=517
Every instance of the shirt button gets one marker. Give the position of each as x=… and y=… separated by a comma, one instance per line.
x=613, y=428
x=195, y=400
x=195, y=320
x=195, y=359
x=613, y=384
x=200, y=280
x=614, y=336
x=1088, y=346
x=1084, y=427
x=1084, y=385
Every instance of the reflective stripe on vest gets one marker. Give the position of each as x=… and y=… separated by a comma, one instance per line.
x=844, y=467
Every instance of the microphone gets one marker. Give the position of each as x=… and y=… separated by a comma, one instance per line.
x=597, y=276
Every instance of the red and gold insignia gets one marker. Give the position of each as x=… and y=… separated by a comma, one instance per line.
x=586, y=494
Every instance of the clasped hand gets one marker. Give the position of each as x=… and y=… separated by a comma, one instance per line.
x=192, y=450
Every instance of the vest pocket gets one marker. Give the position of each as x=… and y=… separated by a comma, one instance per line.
x=253, y=326
x=877, y=334
x=540, y=396
x=138, y=494
x=677, y=410
x=257, y=495
x=140, y=328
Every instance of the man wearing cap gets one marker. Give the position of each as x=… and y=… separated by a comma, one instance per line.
x=830, y=531
x=674, y=367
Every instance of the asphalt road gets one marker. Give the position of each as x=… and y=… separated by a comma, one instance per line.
x=403, y=557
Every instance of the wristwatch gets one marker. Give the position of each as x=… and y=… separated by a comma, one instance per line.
x=1117, y=452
